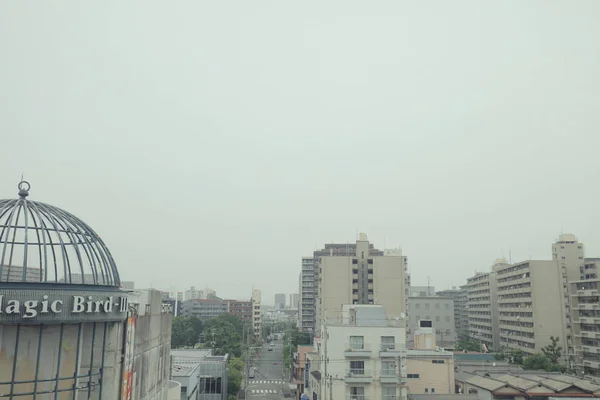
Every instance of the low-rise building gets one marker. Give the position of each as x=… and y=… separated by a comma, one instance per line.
x=203, y=309
x=240, y=308
x=364, y=356
x=256, y=312
x=202, y=375
x=299, y=370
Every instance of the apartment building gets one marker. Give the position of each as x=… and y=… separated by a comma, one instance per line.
x=307, y=291
x=279, y=302
x=361, y=356
x=256, y=312
x=293, y=301
x=585, y=305
x=240, y=308
x=366, y=276
x=461, y=312
x=203, y=309
x=439, y=310
x=482, y=309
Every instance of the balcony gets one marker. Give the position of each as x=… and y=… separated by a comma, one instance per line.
x=389, y=376
x=590, y=349
x=586, y=293
x=590, y=334
x=589, y=320
x=354, y=350
x=390, y=350
x=588, y=306
x=357, y=397
x=358, y=376
x=591, y=364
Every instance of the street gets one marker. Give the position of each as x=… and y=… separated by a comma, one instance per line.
x=269, y=382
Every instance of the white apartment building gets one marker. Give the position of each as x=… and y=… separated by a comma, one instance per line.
x=585, y=305
x=307, y=291
x=360, y=356
x=256, y=312
x=365, y=276
x=531, y=305
x=482, y=308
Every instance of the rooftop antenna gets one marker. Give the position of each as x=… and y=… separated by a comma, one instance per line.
x=509, y=257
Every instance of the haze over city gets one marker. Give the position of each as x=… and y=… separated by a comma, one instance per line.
x=217, y=145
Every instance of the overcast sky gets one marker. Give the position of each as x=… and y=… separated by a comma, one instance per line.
x=215, y=143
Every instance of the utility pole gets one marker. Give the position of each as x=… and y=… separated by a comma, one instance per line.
x=330, y=387
x=325, y=337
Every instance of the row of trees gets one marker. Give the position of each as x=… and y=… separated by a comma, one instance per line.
x=292, y=339
x=225, y=334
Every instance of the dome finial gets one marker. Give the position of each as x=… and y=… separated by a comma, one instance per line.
x=24, y=187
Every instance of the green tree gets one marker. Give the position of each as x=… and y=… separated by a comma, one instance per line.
x=234, y=381
x=185, y=331
x=223, y=335
x=237, y=364
x=536, y=362
x=468, y=345
x=553, y=351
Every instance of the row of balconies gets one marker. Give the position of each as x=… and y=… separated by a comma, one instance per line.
x=365, y=375
x=366, y=350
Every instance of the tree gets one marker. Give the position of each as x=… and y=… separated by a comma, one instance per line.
x=537, y=361
x=553, y=351
x=237, y=364
x=185, y=331
x=468, y=345
x=223, y=334
x=234, y=381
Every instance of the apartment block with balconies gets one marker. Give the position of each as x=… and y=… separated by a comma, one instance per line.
x=360, y=356
x=307, y=291
x=482, y=310
x=527, y=291
x=585, y=306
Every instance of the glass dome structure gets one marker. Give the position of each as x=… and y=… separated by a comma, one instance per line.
x=40, y=243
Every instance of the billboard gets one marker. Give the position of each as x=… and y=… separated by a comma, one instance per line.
x=128, y=360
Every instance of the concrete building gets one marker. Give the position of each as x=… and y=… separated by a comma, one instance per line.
x=199, y=294
x=294, y=301
x=430, y=369
x=526, y=291
x=307, y=291
x=359, y=355
x=439, y=310
x=459, y=298
x=240, y=308
x=482, y=307
x=299, y=370
x=203, y=309
x=279, y=301
x=256, y=312
x=64, y=340
x=365, y=276
x=202, y=375
x=585, y=305
x=421, y=291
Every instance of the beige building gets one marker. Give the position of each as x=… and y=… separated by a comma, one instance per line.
x=482, y=309
x=531, y=305
x=430, y=369
x=256, y=312
x=585, y=305
x=365, y=276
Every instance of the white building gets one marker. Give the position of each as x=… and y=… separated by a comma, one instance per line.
x=308, y=291
x=360, y=356
x=256, y=312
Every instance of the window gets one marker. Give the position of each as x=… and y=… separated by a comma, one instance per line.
x=388, y=342
x=388, y=392
x=417, y=306
x=357, y=342
x=357, y=393
x=437, y=318
x=370, y=261
x=412, y=376
x=212, y=385
x=427, y=306
x=357, y=367
x=426, y=390
x=354, y=261
x=388, y=368
x=447, y=306
x=437, y=361
x=432, y=390
x=447, y=318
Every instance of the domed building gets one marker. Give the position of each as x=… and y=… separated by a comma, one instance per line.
x=64, y=330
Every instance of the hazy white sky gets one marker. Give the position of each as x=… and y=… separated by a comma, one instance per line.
x=214, y=143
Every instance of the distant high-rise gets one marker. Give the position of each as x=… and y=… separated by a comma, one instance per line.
x=293, y=300
x=256, y=312
x=280, y=301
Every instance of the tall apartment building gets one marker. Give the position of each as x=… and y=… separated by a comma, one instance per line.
x=531, y=305
x=361, y=355
x=363, y=277
x=293, y=301
x=279, y=301
x=307, y=290
x=585, y=305
x=256, y=312
x=482, y=309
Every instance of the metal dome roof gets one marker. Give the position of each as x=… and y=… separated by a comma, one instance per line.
x=40, y=243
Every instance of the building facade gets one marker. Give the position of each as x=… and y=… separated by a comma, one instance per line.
x=202, y=375
x=293, y=301
x=585, y=305
x=279, y=303
x=440, y=310
x=67, y=335
x=361, y=355
x=307, y=291
x=240, y=308
x=256, y=312
x=526, y=291
x=365, y=276
x=203, y=309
